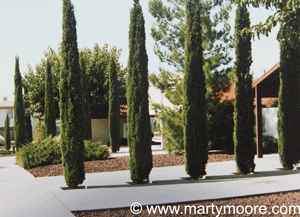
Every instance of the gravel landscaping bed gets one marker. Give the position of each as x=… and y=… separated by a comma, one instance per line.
x=122, y=163
x=283, y=200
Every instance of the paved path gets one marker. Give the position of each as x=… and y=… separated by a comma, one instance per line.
x=23, y=195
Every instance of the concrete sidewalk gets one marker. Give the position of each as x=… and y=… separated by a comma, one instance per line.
x=110, y=189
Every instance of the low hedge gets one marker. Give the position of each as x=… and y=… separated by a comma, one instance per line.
x=47, y=152
x=270, y=145
x=4, y=152
x=2, y=142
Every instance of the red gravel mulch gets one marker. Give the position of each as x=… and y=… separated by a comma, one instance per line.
x=122, y=163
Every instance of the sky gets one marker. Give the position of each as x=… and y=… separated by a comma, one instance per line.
x=28, y=27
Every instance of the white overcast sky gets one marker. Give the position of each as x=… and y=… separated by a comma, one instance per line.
x=28, y=27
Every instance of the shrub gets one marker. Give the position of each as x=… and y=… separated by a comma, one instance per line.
x=3, y=152
x=38, y=134
x=2, y=142
x=270, y=145
x=40, y=153
x=95, y=151
x=47, y=152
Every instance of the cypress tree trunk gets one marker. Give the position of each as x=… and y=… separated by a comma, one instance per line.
x=114, y=107
x=86, y=100
x=72, y=146
x=19, y=116
x=244, y=117
x=28, y=126
x=7, y=133
x=139, y=130
x=194, y=111
x=49, y=113
x=288, y=103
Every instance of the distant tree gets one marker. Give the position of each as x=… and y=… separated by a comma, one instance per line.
x=168, y=34
x=72, y=145
x=7, y=133
x=49, y=115
x=244, y=119
x=19, y=116
x=83, y=60
x=28, y=126
x=34, y=81
x=98, y=85
x=194, y=110
x=96, y=64
x=288, y=102
x=114, y=108
x=39, y=132
x=138, y=120
x=286, y=13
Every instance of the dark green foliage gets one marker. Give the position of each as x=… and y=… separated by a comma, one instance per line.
x=2, y=142
x=19, y=113
x=49, y=115
x=28, y=127
x=194, y=110
x=270, y=145
x=7, y=133
x=70, y=89
x=114, y=108
x=138, y=120
x=85, y=97
x=288, y=102
x=47, y=152
x=244, y=118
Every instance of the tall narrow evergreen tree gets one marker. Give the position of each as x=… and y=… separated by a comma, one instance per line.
x=49, y=114
x=114, y=107
x=194, y=111
x=7, y=133
x=28, y=126
x=85, y=98
x=72, y=146
x=19, y=116
x=138, y=120
x=289, y=102
x=244, y=118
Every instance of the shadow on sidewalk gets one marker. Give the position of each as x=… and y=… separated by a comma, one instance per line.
x=207, y=179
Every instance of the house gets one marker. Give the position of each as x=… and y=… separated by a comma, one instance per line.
x=7, y=107
x=100, y=128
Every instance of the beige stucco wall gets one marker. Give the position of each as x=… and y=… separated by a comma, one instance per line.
x=100, y=131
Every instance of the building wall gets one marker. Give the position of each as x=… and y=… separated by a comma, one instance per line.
x=100, y=130
x=270, y=119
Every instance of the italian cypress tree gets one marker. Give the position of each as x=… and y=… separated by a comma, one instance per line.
x=72, y=146
x=138, y=120
x=28, y=127
x=288, y=102
x=244, y=118
x=19, y=116
x=194, y=110
x=7, y=133
x=85, y=99
x=114, y=107
x=49, y=114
